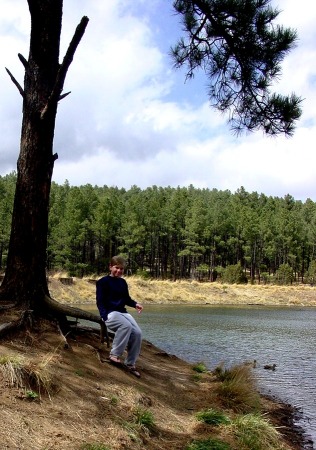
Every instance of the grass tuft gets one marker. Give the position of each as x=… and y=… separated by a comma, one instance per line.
x=197, y=377
x=253, y=432
x=208, y=444
x=212, y=417
x=12, y=369
x=114, y=400
x=33, y=376
x=31, y=395
x=144, y=418
x=199, y=367
x=237, y=389
x=94, y=446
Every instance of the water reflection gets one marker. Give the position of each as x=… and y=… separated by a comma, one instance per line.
x=231, y=335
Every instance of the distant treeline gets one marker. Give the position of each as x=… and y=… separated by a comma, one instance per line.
x=175, y=233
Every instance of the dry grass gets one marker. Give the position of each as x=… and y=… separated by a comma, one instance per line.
x=12, y=370
x=182, y=292
x=29, y=373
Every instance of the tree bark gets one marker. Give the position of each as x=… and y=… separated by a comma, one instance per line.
x=25, y=282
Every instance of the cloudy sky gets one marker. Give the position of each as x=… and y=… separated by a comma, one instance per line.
x=131, y=119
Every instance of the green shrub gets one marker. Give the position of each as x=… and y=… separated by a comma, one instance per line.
x=234, y=274
x=202, y=272
x=31, y=395
x=284, y=275
x=212, y=417
x=219, y=271
x=265, y=277
x=142, y=274
x=311, y=273
x=208, y=444
x=200, y=367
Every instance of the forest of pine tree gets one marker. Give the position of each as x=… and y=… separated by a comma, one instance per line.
x=175, y=233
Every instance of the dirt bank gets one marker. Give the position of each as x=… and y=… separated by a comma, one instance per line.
x=91, y=402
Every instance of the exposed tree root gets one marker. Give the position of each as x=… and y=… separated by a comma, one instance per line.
x=66, y=310
x=19, y=319
x=7, y=327
x=64, y=337
x=6, y=307
x=54, y=311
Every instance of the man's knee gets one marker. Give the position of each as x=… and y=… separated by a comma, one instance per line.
x=138, y=333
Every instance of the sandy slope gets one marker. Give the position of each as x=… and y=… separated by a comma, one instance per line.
x=92, y=401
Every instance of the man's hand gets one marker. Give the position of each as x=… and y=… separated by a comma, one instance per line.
x=139, y=308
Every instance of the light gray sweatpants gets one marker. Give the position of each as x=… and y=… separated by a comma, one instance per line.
x=128, y=336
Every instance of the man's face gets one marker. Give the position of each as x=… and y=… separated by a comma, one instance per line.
x=116, y=271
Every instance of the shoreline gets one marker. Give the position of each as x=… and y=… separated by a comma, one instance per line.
x=288, y=417
x=189, y=292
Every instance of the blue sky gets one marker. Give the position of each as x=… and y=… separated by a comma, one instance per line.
x=132, y=120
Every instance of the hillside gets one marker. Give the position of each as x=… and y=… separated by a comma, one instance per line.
x=84, y=403
x=92, y=405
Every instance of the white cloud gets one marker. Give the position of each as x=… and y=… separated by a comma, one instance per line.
x=130, y=119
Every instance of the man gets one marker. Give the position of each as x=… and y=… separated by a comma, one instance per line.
x=112, y=297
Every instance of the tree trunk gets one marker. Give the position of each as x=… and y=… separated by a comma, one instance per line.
x=25, y=277
x=25, y=284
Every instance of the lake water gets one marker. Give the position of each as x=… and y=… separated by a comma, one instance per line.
x=232, y=335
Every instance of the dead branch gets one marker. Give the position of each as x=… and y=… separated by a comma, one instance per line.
x=15, y=82
x=64, y=95
x=62, y=72
x=23, y=61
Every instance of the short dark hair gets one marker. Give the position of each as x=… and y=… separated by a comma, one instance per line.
x=118, y=261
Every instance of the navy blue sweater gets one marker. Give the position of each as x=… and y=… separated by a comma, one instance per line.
x=113, y=295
